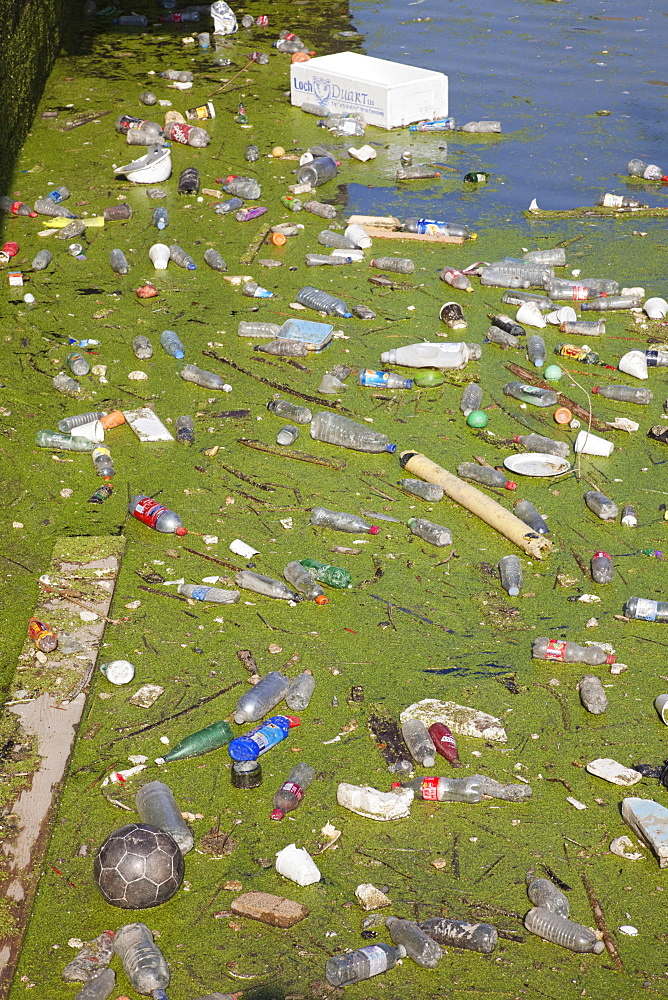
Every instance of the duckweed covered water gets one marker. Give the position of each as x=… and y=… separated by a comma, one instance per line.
x=417, y=623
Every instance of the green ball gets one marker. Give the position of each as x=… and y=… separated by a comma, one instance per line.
x=553, y=373
x=477, y=418
x=429, y=379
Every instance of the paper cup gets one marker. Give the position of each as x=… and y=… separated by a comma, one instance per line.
x=661, y=704
x=118, y=671
x=590, y=444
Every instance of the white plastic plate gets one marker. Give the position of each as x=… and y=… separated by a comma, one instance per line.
x=535, y=463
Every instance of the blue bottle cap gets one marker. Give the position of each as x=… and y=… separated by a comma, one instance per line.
x=179, y=355
x=192, y=267
x=391, y=448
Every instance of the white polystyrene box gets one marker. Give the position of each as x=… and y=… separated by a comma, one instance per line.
x=387, y=94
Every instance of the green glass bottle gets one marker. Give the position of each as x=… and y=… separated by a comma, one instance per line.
x=476, y=177
x=333, y=576
x=217, y=735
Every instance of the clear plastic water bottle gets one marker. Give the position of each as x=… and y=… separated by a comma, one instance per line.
x=153, y=514
x=255, y=329
x=417, y=739
x=601, y=505
x=471, y=398
x=536, y=350
x=485, y=475
x=243, y=187
x=214, y=260
x=592, y=695
x=45, y=206
x=287, y=435
x=419, y=172
x=544, y=445
x=266, y=585
x=326, y=260
x=611, y=303
x=333, y=428
x=160, y=217
x=291, y=792
x=102, y=461
x=530, y=394
x=210, y=595
x=257, y=741
x=171, y=342
x=260, y=699
x=42, y=260
x=561, y=651
x=425, y=491
x=318, y=171
x=387, y=380
x=341, y=521
x=398, y=265
x=502, y=337
x=157, y=806
x=314, y=298
x=602, y=569
x=646, y=609
x=355, y=966
x=77, y=363
x=419, y=945
x=483, y=126
x=118, y=262
x=510, y=571
x=329, y=238
x=556, y=256
x=545, y=894
x=300, y=691
x=283, y=408
x=14, y=207
x=255, y=291
x=320, y=208
x=648, y=171
x=208, y=380
x=436, y=227
x=67, y=423
x=143, y=962
x=461, y=934
x=425, y=355
x=435, y=534
x=66, y=384
x=446, y=789
x=226, y=207
x=624, y=393
x=62, y=442
x=456, y=279
x=517, y=297
x=142, y=347
x=99, y=987
x=629, y=517
x=283, y=348
x=181, y=258
x=559, y=930
x=302, y=581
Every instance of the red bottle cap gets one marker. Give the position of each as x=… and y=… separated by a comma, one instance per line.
x=516, y=438
x=510, y=485
x=230, y=178
x=396, y=784
x=374, y=529
x=596, y=388
x=276, y=814
x=611, y=659
x=606, y=555
x=181, y=531
x=293, y=720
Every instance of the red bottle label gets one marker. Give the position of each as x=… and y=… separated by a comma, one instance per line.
x=178, y=132
x=16, y=207
x=429, y=789
x=580, y=292
x=293, y=788
x=262, y=21
x=555, y=650
x=148, y=511
x=11, y=249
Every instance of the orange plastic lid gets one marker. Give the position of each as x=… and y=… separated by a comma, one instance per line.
x=300, y=57
x=278, y=239
x=321, y=599
x=113, y=419
x=563, y=415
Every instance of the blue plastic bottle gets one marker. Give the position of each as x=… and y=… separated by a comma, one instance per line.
x=262, y=738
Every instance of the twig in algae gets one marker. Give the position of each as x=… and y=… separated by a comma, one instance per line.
x=176, y=715
x=333, y=404
x=599, y=917
x=298, y=456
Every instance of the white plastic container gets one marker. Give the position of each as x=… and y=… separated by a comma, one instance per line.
x=529, y=314
x=385, y=93
x=587, y=443
x=432, y=355
x=159, y=254
x=297, y=864
x=656, y=308
x=118, y=671
x=634, y=363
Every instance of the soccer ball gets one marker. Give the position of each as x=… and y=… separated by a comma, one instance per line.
x=138, y=866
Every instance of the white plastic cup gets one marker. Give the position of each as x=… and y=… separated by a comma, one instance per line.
x=243, y=549
x=661, y=704
x=159, y=254
x=634, y=363
x=529, y=314
x=297, y=864
x=587, y=443
x=118, y=671
x=94, y=431
x=655, y=308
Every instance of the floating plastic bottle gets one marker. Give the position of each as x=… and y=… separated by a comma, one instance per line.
x=592, y=695
x=425, y=355
x=648, y=171
x=66, y=384
x=629, y=516
x=171, y=342
x=142, y=347
x=118, y=262
x=420, y=947
x=302, y=581
x=102, y=461
x=212, y=737
x=179, y=75
x=399, y=265
x=283, y=348
x=157, y=806
x=153, y=514
x=254, y=290
x=160, y=217
x=314, y=298
x=516, y=273
x=526, y=512
x=243, y=187
x=355, y=966
x=99, y=987
x=425, y=491
x=461, y=934
x=483, y=474
x=419, y=172
x=255, y=329
x=545, y=445
x=530, y=394
x=67, y=423
x=225, y=207
x=601, y=505
x=387, y=380
x=546, y=895
x=283, y=408
x=16, y=207
x=320, y=170
x=333, y=428
x=300, y=691
x=265, y=585
x=42, y=260
x=612, y=302
x=656, y=358
x=143, y=962
x=45, y=206
x=257, y=741
x=471, y=398
x=556, y=256
x=208, y=380
x=510, y=571
x=445, y=789
x=456, y=279
x=214, y=260
x=559, y=930
x=329, y=238
x=436, y=227
x=211, y=595
x=260, y=699
x=341, y=521
x=189, y=181
x=561, y=651
x=646, y=609
x=536, y=350
x=320, y=259
x=444, y=743
x=91, y=959
x=502, y=337
x=181, y=258
x=417, y=739
x=609, y=200
x=291, y=792
x=333, y=576
x=624, y=393
x=580, y=289
x=583, y=354
x=435, y=534
x=482, y=126
x=517, y=297
x=602, y=569
x=320, y=208
x=77, y=363
x=62, y=442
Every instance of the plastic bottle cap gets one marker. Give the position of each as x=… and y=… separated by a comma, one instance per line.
x=611, y=659
x=510, y=485
x=396, y=784
x=563, y=415
x=181, y=531
x=374, y=529
x=278, y=239
x=294, y=720
x=179, y=355
x=113, y=419
x=513, y=591
x=276, y=814
x=391, y=448
x=604, y=555
x=321, y=599
x=596, y=388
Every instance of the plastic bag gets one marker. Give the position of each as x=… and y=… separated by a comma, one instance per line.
x=225, y=23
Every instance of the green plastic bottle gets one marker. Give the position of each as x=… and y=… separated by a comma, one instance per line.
x=333, y=576
x=217, y=735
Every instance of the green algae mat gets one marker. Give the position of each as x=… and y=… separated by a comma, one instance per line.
x=418, y=622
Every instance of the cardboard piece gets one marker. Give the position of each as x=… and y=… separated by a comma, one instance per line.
x=146, y=425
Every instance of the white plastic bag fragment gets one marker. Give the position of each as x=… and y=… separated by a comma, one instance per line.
x=374, y=804
x=297, y=864
x=224, y=21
